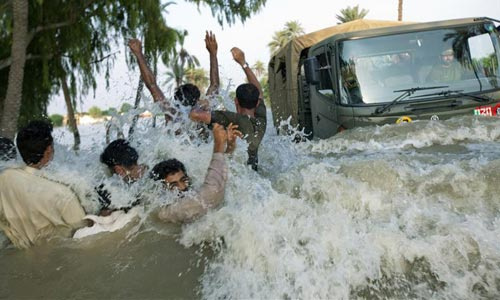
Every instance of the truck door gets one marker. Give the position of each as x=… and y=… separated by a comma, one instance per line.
x=323, y=106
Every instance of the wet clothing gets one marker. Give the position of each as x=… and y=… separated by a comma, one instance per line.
x=104, y=199
x=440, y=73
x=33, y=207
x=209, y=196
x=252, y=128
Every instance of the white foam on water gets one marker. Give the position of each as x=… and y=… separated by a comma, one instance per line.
x=397, y=211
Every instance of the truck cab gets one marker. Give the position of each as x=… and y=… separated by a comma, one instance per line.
x=366, y=73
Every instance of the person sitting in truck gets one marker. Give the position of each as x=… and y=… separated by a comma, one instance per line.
x=448, y=70
x=251, y=111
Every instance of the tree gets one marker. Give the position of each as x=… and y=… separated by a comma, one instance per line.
x=125, y=108
x=76, y=37
x=198, y=77
x=56, y=119
x=349, y=14
x=400, y=10
x=95, y=112
x=12, y=103
x=291, y=30
x=179, y=61
x=259, y=68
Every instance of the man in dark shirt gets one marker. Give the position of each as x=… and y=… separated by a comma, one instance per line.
x=251, y=111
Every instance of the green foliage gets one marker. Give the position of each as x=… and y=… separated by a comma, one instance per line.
x=110, y=111
x=95, y=112
x=349, y=14
x=230, y=10
x=72, y=40
x=198, y=77
x=56, y=119
x=264, y=82
x=125, y=108
x=291, y=30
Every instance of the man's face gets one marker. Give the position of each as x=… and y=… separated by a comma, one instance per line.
x=177, y=181
x=447, y=58
x=130, y=174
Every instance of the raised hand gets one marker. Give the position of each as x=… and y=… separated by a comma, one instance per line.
x=233, y=133
x=211, y=42
x=238, y=56
x=220, y=138
x=135, y=45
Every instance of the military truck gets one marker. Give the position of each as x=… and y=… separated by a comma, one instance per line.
x=369, y=72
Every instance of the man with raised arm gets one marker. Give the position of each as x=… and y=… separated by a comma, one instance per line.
x=187, y=94
x=250, y=113
x=175, y=178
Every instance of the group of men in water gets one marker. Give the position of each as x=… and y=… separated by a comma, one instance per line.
x=34, y=207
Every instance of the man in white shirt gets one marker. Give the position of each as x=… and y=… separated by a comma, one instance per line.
x=33, y=207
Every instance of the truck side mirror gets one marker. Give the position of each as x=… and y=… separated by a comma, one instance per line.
x=311, y=68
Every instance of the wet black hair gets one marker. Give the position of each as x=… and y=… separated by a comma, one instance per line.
x=33, y=140
x=247, y=95
x=188, y=94
x=7, y=149
x=163, y=169
x=119, y=152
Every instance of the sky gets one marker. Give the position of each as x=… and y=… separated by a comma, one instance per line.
x=254, y=35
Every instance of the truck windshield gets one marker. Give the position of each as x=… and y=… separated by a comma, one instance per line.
x=460, y=58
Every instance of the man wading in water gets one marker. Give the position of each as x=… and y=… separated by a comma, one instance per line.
x=122, y=159
x=33, y=207
x=251, y=111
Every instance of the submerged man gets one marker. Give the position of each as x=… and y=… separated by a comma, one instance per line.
x=250, y=113
x=448, y=71
x=173, y=174
x=33, y=207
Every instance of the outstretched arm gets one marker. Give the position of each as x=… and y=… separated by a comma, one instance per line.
x=148, y=76
x=211, y=193
x=239, y=57
x=211, y=44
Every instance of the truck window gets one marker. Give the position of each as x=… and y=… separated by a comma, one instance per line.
x=325, y=86
x=463, y=58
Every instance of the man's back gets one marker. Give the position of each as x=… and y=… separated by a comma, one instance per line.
x=32, y=207
x=253, y=129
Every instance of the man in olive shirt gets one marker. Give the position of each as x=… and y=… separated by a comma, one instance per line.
x=251, y=111
x=448, y=71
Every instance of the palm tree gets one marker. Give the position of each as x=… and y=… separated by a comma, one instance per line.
x=197, y=76
x=351, y=13
x=400, y=10
x=179, y=62
x=291, y=30
x=259, y=68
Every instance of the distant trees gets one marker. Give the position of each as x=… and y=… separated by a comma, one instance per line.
x=56, y=119
x=125, y=108
x=95, y=112
x=291, y=30
x=349, y=14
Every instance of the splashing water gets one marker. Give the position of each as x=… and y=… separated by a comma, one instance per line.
x=397, y=211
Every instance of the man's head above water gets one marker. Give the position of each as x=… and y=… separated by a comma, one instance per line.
x=173, y=174
x=121, y=159
x=35, y=144
x=187, y=94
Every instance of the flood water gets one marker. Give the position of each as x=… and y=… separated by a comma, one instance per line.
x=391, y=212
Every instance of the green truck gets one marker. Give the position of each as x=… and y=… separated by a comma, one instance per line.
x=368, y=72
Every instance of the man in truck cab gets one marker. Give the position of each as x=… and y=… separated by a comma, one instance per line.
x=448, y=71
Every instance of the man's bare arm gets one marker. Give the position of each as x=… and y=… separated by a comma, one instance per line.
x=239, y=57
x=148, y=77
x=211, y=44
x=200, y=115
